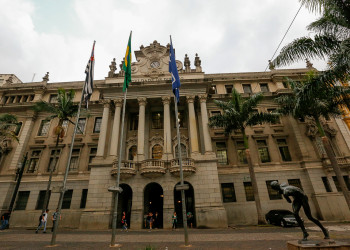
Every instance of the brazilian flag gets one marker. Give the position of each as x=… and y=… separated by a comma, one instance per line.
x=127, y=66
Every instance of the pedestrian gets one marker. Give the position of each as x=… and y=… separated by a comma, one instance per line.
x=54, y=219
x=156, y=220
x=145, y=219
x=42, y=221
x=124, y=222
x=189, y=219
x=174, y=220
x=150, y=220
x=5, y=220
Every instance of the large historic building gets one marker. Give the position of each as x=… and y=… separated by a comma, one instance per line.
x=214, y=164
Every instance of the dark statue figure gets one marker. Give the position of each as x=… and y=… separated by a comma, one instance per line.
x=299, y=200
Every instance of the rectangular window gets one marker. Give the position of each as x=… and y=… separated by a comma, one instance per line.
x=241, y=152
x=83, y=198
x=228, y=192
x=67, y=199
x=326, y=184
x=74, y=161
x=53, y=98
x=283, y=148
x=247, y=88
x=212, y=90
x=273, y=194
x=33, y=161
x=17, y=128
x=81, y=126
x=336, y=183
x=157, y=120
x=22, y=200
x=221, y=153
x=228, y=89
x=97, y=125
x=92, y=154
x=134, y=121
x=249, y=193
x=347, y=182
x=53, y=160
x=263, y=151
x=264, y=87
x=295, y=183
x=41, y=198
x=44, y=128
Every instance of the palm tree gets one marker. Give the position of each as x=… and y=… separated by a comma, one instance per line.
x=331, y=42
x=237, y=114
x=64, y=110
x=311, y=99
x=7, y=123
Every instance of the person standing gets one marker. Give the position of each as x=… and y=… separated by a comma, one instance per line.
x=174, y=220
x=5, y=220
x=156, y=220
x=190, y=219
x=124, y=223
x=54, y=219
x=43, y=222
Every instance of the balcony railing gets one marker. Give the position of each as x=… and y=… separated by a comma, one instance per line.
x=343, y=162
x=127, y=170
x=188, y=167
x=152, y=168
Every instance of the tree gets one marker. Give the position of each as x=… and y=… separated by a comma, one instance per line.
x=314, y=100
x=237, y=114
x=64, y=110
x=331, y=42
x=7, y=132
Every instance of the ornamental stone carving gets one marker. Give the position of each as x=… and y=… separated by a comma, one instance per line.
x=190, y=98
x=113, y=68
x=203, y=98
x=142, y=101
x=166, y=100
x=118, y=102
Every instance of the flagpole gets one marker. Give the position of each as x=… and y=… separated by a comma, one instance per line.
x=63, y=190
x=181, y=187
x=118, y=189
x=184, y=218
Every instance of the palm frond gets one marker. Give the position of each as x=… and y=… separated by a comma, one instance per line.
x=251, y=103
x=260, y=118
x=330, y=24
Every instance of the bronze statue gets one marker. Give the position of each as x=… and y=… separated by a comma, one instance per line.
x=299, y=200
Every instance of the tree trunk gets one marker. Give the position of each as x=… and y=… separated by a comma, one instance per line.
x=336, y=169
x=261, y=219
x=46, y=199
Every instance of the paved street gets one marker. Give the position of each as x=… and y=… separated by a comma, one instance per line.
x=240, y=237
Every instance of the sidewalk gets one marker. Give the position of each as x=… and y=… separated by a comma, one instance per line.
x=241, y=237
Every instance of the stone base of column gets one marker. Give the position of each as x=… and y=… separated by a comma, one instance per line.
x=211, y=217
x=100, y=161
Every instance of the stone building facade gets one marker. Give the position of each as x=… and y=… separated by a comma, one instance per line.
x=214, y=167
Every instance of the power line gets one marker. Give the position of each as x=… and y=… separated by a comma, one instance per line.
x=284, y=36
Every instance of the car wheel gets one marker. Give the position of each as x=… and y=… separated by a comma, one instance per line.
x=283, y=223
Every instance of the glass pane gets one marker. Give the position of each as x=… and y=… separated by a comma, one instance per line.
x=249, y=193
x=97, y=126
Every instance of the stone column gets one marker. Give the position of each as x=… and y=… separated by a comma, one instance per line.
x=23, y=140
x=167, y=128
x=206, y=134
x=116, y=125
x=141, y=129
x=192, y=125
x=103, y=132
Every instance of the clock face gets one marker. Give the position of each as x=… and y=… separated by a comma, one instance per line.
x=155, y=64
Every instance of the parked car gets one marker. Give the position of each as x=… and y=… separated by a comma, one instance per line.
x=281, y=217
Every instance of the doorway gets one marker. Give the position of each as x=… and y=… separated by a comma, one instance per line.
x=124, y=205
x=190, y=206
x=153, y=203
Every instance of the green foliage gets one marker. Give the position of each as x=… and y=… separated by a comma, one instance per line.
x=331, y=42
x=238, y=113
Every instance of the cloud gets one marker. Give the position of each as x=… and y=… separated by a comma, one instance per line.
x=229, y=36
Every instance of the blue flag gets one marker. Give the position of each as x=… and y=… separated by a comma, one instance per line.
x=174, y=73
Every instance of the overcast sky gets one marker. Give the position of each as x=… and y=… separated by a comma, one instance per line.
x=57, y=35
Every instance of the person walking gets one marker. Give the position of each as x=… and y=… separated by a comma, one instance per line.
x=42, y=222
x=174, y=220
x=156, y=220
x=54, y=219
x=189, y=219
x=124, y=222
x=5, y=220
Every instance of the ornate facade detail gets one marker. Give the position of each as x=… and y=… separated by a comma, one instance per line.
x=118, y=102
x=166, y=100
x=271, y=66
x=328, y=129
x=106, y=102
x=46, y=77
x=113, y=68
x=183, y=140
x=131, y=141
x=190, y=98
x=311, y=128
x=197, y=63
x=187, y=64
x=309, y=65
x=121, y=72
x=142, y=101
x=157, y=139
x=203, y=98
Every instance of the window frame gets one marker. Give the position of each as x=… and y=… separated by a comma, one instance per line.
x=249, y=192
x=226, y=195
x=76, y=169
x=221, y=160
x=265, y=85
x=283, y=146
x=273, y=194
x=260, y=148
x=249, y=86
x=22, y=204
x=94, y=130
x=43, y=124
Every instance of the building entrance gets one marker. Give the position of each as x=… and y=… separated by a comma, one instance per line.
x=153, y=203
x=124, y=205
x=190, y=206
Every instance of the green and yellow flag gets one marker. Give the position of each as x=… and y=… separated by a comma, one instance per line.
x=127, y=65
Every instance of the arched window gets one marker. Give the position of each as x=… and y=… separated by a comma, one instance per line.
x=183, y=151
x=157, y=152
x=132, y=153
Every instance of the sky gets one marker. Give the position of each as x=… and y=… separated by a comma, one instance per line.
x=56, y=36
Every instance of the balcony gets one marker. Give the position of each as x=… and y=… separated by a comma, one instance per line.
x=127, y=170
x=152, y=168
x=188, y=167
x=343, y=162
